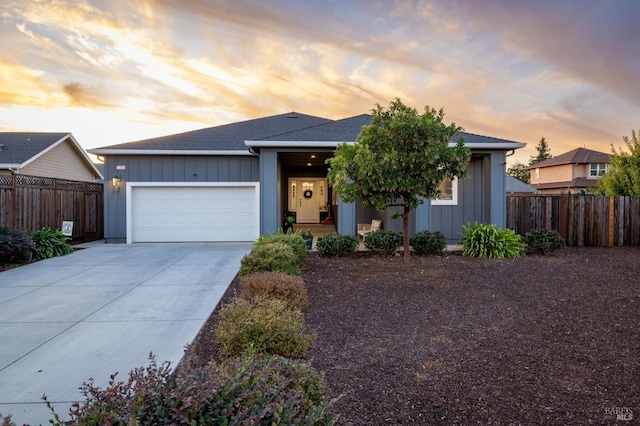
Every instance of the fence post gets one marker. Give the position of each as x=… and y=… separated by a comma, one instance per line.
x=611, y=222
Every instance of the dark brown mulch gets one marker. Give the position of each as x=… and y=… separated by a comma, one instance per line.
x=457, y=340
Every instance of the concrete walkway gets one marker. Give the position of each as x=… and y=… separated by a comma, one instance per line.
x=102, y=310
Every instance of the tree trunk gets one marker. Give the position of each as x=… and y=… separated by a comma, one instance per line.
x=405, y=234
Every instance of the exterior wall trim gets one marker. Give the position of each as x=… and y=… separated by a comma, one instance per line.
x=131, y=185
x=231, y=152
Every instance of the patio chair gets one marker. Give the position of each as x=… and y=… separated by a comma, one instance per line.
x=366, y=228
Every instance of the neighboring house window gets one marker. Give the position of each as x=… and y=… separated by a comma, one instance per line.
x=597, y=169
x=448, y=193
x=537, y=173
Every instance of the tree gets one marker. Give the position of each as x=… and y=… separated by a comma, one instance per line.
x=544, y=153
x=399, y=159
x=520, y=172
x=623, y=177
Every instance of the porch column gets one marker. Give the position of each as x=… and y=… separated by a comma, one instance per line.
x=498, y=189
x=269, y=215
x=423, y=216
x=346, y=217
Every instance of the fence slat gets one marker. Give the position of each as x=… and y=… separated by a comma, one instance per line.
x=582, y=220
x=32, y=202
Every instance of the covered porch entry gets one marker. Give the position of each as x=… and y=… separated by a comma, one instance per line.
x=294, y=185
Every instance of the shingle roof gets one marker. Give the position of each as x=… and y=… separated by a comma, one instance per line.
x=345, y=130
x=19, y=147
x=228, y=136
x=576, y=156
x=289, y=127
x=575, y=183
x=516, y=185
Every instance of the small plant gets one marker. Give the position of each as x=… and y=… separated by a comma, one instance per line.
x=288, y=288
x=386, y=241
x=544, y=241
x=274, y=257
x=263, y=390
x=49, y=243
x=307, y=234
x=485, y=240
x=293, y=240
x=6, y=420
x=15, y=246
x=336, y=245
x=263, y=325
x=432, y=243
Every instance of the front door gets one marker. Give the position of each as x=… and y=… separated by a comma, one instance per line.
x=308, y=207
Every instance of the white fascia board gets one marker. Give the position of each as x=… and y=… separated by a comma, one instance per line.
x=107, y=151
x=489, y=145
x=7, y=166
x=325, y=144
x=295, y=144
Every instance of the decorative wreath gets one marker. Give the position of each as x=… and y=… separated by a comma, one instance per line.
x=308, y=193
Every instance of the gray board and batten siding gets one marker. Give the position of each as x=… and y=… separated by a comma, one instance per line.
x=168, y=168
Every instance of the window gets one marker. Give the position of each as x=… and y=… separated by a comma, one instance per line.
x=448, y=193
x=597, y=169
x=537, y=173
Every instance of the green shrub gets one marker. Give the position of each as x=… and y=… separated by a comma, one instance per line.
x=15, y=246
x=263, y=325
x=256, y=391
x=49, y=243
x=336, y=245
x=385, y=241
x=270, y=257
x=425, y=242
x=544, y=241
x=293, y=240
x=484, y=240
x=288, y=288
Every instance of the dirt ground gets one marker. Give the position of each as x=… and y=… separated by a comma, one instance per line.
x=457, y=340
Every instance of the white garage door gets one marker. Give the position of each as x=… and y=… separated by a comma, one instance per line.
x=192, y=213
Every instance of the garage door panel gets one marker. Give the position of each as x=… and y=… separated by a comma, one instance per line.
x=178, y=213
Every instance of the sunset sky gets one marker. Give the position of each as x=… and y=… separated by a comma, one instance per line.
x=114, y=71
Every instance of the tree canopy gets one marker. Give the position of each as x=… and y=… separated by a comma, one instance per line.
x=623, y=177
x=520, y=172
x=544, y=153
x=399, y=159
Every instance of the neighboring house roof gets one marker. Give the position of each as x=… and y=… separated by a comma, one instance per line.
x=514, y=185
x=279, y=130
x=575, y=183
x=18, y=149
x=576, y=156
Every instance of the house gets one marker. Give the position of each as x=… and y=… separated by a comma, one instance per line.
x=50, y=155
x=237, y=181
x=571, y=172
x=517, y=187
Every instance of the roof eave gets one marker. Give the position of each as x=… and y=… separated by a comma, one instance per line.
x=121, y=151
x=294, y=144
x=333, y=144
x=9, y=166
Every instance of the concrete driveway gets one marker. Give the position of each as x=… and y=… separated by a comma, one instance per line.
x=102, y=310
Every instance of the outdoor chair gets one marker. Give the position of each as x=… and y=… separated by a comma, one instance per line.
x=366, y=228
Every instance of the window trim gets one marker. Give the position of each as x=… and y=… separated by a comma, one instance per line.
x=454, y=196
x=597, y=170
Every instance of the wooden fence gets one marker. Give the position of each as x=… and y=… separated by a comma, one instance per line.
x=582, y=220
x=32, y=203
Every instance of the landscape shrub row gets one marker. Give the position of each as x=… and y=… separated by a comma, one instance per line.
x=262, y=333
x=18, y=246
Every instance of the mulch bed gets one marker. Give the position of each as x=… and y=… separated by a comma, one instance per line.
x=458, y=340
